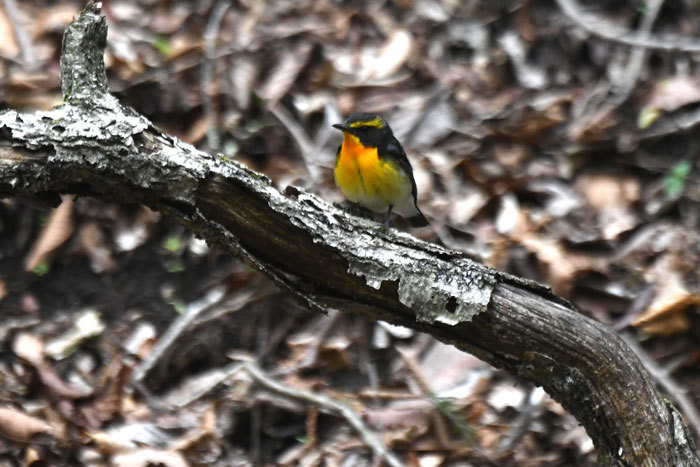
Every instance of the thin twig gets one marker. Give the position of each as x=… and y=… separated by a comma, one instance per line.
x=306, y=146
x=211, y=33
x=465, y=430
x=638, y=54
x=212, y=306
x=166, y=343
x=527, y=412
x=617, y=92
x=312, y=353
x=640, y=303
x=370, y=438
x=414, y=368
x=663, y=377
x=25, y=44
x=604, y=29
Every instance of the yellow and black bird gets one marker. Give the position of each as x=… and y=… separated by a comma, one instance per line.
x=372, y=169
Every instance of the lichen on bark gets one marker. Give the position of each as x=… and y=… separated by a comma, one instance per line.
x=83, y=75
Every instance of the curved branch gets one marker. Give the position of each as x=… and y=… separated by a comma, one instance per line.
x=330, y=259
x=604, y=29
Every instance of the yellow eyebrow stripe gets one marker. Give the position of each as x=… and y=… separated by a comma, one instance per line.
x=377, y=122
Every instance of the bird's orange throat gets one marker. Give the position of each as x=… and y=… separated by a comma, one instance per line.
x=353, y=147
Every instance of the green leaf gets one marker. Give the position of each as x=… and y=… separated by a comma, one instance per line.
x=674, y=183
x=176, y=266
x=42, y=268
x=647, y=117
x=163, y=45
x=178, y=305
x=173, y=244
x=456, y=418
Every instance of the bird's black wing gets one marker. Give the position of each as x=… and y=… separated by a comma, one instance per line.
x=337, y=155
x=394, y=151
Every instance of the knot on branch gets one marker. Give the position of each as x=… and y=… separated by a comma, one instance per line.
x=83, y=76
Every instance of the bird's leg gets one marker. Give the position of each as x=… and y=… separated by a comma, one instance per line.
x=388, y=216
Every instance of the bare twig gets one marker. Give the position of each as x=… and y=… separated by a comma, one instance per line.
x=640, y=303
x=424, y=386
x=370, y=438
x=212, y=306
x=25, y=44
x=465, y=430
x=527, y=412
x=210, y=35
x=306, y=146
x=604, y=98
x=638, y=54
x=312, y=353
x=604, y=29
x=528, y=75
x=663, y=377
x=236, y=303
x=166, y=343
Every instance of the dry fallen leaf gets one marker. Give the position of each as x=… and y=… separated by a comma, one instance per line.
x=451, y=372
x=57, y=386
x=282, y=76
x=562, y=266
x=128, y=437
x=93, y=243
x=29, y=347
x=666, y=313
x=673, y=93
x=32, y=457
x=53, y=19
x=88, y=323
x=335, y=353
x=506, y=395
x=527, y=74
x=667, y=96
x=148, y=457
x=8, y=40
x=594, y=126
x=57, y=230
x=18, y=426
x=612, y=196
x=393, y=54
x=193, y=437
x=431, y=460
x=413, y=414
x=243, y=77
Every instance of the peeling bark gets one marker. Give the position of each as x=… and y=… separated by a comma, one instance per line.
x=91, y=145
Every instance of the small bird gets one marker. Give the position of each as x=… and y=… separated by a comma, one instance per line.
x=372, y=169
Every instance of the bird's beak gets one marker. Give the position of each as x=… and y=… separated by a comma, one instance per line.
x=341, y=127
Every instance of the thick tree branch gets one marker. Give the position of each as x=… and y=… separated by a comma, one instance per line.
x=329, y=259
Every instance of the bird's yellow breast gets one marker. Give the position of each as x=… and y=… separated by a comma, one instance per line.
x=365, y=178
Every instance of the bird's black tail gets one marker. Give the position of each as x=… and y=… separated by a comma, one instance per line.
x=418, y=220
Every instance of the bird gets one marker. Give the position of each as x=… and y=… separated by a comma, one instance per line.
x=372, y=169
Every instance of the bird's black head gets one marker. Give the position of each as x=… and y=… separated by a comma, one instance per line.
x=370, y=128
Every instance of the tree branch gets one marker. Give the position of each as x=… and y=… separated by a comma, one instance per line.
x=329, y=259
x=608, y=31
